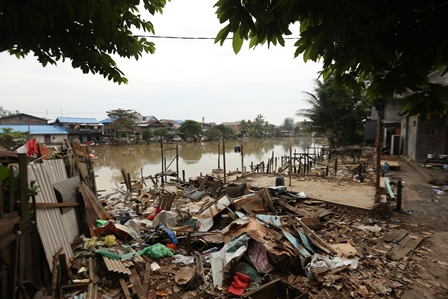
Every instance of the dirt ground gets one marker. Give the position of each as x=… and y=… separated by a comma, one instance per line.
x=424, y=210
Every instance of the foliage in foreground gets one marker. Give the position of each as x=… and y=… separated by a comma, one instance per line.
x=9, y=137
x=85, y=32
x=393, y=44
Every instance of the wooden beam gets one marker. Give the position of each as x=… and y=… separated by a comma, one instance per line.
x=43, y=205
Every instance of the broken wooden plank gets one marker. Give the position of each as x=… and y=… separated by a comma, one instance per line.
x=395, y=235
x=124, y=288
x=146, y=278
x=92, y=271
x=203, y=182
x=137, y=287
x=410, y=245
x=315, y=239
x=297, y=211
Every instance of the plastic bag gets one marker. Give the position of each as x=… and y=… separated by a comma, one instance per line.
x=109, y=240
x=180, y=258
x=156, y=251
x=91, y=242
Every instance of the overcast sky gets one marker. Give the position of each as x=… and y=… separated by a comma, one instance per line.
x=184, y=79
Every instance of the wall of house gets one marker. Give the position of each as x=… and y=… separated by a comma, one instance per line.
x=22, y=120
x=55, y=139
x=391, y=111
x=411, y=135
x=431, y=138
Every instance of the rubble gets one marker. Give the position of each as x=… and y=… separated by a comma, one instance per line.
x=241, y=245
x=208, y=239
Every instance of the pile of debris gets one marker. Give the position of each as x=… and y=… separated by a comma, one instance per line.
x=207, y=239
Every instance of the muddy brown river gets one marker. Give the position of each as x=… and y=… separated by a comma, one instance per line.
x=194, y=158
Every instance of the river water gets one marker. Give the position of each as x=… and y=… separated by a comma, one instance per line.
x=194, y=158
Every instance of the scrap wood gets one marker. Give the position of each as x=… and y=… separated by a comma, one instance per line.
x=315, y=239
x=137, y=287
x=54, y=271
x=146, y=278
x=203, y=182
x=404, y=248
x=124, y=288
x=266, y=196
x=302, y=236
x=297, y=211
x=90, y=197
x=92, y=271
x=92, y=291
x=216, y=207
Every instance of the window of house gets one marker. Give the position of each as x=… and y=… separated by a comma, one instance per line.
x=430, y=131
x=53, y=137
x=415, y=123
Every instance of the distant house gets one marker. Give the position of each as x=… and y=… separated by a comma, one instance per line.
x=22, y=119
x=150, y=122
x=84, y=129
x=422, y=138
x=171, y=124
x=45, y=134
x=235, y=125
x=408, y=135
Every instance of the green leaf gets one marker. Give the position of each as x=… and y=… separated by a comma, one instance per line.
x=237, y=42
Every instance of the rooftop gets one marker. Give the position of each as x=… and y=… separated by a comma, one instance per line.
x=37, y=129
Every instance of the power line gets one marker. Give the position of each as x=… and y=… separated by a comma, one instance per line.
x=191, y=37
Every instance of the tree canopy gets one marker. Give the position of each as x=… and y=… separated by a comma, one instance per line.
x=85, y=32
x=216, y=132
x=257, y=128
x=288, y=124
x=9, y=137
x=4, y=112
x=336, y=112
x=190, y=128
x=392, y=44
x=124, y=120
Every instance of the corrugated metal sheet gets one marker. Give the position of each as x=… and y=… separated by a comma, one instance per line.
x=67, y=190
x=56, y=170
x=49, y=221
x=77, y=120
x=116, y=266
x=57, y=173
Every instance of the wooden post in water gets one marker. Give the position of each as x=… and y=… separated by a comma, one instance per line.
x=177, y=161
x=290, y=165
x=242, y=160
x=224, y=155
x=219, y=155
x=161, y=149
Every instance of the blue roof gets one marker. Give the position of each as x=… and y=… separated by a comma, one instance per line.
x=107, y=121
x=37, y=129
x=77, y=120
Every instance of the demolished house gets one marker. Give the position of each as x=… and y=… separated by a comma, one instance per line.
x=206, y=238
